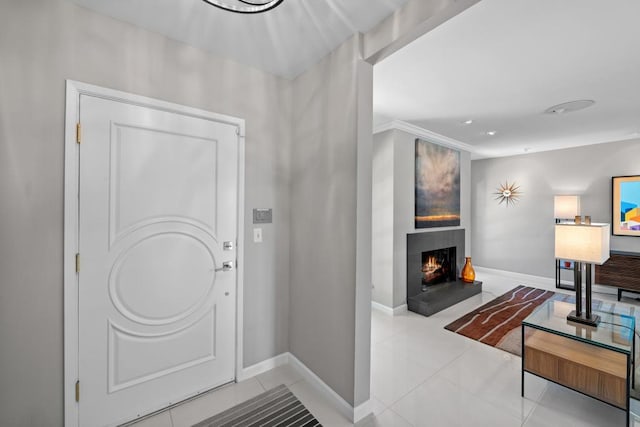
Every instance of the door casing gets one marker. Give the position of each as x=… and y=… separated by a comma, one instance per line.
x=71, y=205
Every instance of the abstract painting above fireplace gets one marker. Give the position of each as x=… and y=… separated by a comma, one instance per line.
x=437, y=185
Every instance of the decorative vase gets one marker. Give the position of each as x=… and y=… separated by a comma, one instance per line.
x=468, y=273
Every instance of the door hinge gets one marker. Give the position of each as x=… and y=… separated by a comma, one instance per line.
x=77, y=263
x=78, y=133
x=78, y=391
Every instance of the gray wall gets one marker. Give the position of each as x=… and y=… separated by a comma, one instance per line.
x=44, y=42
x=331, y=221
x=521, y=238
x=394, y=183
x=323, y=220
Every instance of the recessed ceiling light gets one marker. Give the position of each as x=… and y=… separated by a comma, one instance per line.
x=491, y=132
x=467, y=122
x=569, y=107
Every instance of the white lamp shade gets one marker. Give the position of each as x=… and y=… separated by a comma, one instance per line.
x=583, y=243
x=566, y=207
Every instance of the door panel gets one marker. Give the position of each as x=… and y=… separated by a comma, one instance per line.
x=158, y=197
x=151, y=356
x=140, y=271
x=168, y=162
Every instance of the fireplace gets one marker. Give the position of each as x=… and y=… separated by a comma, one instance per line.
x=433, y=263
x=438, y=266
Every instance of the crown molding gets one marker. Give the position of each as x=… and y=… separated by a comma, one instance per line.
x=423, y=133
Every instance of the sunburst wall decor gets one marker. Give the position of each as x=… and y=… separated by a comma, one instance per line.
x=508, y=193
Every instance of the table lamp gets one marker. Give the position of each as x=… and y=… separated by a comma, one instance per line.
x=566, y=207
x=588, y=244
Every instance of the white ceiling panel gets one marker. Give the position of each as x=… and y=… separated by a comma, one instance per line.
x=502, y=63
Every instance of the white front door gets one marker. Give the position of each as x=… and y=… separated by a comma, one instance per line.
x=158, y=201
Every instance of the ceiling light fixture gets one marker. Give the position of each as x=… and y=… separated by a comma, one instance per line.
x=570, y=107
x=245, y=6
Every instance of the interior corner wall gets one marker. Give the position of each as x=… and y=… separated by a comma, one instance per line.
x=520, y=238
x=323, y=220
x=44, y=42
x=364, y=122
x=394, y=185
x=382, y=230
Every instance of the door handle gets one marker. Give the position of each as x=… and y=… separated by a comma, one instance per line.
x=226, y=266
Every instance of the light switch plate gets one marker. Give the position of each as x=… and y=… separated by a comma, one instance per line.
x=257, y=235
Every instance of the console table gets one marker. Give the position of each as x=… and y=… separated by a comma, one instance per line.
x=596, y=362
x=622, y=270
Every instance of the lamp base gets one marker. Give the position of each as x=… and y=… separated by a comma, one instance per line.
x=591, y=321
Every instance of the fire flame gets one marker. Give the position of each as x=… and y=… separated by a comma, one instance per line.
x=431, y=265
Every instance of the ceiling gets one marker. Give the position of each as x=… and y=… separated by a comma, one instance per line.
x=284, y=41
x=502, y=63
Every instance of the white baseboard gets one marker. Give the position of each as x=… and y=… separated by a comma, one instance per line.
x=529, y=279
x=362, y=411
x=382, y=308
x=400, y=309
x=543, y=282
x=388, y=310
x=353, y=414
x=264, y=366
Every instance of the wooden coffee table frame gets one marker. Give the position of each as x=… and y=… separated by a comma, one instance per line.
x=583, y=366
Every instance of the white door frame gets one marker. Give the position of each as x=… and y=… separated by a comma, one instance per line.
x=71, y=206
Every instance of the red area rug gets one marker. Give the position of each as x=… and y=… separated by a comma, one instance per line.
x=497, y=323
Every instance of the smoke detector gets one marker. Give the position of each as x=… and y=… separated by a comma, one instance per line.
x=570, y=107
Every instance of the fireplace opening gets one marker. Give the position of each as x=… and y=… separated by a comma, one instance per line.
x=438, y=266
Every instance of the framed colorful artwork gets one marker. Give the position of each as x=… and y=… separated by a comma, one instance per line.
x=625, y=218
x=437, y=186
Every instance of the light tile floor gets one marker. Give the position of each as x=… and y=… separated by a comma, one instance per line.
x=424, y=375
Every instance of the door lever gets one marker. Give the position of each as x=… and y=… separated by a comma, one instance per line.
x=226, y=266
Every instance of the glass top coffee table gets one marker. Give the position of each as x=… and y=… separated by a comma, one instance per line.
x=595, y=361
